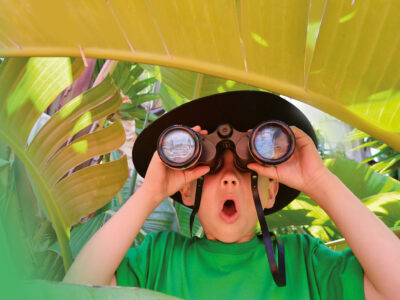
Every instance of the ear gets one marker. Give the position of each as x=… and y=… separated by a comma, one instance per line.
x=273, y=187
x=186, y=194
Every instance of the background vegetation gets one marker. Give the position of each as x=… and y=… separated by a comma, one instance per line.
x=65, y=139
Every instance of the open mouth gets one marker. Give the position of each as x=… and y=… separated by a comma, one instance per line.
x=229, y=208
x=229, y=211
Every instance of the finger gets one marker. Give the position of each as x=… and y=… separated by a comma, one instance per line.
x=203, y=131
x=302, y=138
x=195, y=173
x=298, y=132
x=269, y=172
x=155, y=157
x=196, y=128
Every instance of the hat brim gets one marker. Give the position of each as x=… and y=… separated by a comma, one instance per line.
x=242, y=109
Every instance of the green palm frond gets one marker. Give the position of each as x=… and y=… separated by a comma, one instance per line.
x=27, y=88
x=386, y=160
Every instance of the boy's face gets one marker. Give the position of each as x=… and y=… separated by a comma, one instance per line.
x=227, y=211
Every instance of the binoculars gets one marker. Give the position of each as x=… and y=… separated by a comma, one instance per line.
x=270, y=143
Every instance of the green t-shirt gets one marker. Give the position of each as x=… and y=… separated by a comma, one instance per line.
x=202, y=269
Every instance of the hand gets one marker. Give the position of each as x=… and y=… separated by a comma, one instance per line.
x=162, y=181
x=303, y=171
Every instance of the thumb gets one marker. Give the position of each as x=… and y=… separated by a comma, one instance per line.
x=195, y=173
x=269, y=172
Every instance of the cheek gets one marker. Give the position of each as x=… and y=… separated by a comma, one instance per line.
x=193, y=185
x=263, y=183
x=208, y=200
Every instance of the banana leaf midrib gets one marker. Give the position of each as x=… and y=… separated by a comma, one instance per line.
x=39, y=143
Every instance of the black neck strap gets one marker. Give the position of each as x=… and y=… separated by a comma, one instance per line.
x=278, y=273
x=199, y=188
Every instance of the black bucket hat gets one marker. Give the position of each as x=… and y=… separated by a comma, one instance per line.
x=242, y=109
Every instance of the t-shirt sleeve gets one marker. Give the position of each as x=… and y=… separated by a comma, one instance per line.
x=134, y=268
x=335, y=273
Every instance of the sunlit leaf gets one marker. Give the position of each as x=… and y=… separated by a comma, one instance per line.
x=191, y=85
x=28, y=86
x=339, y=56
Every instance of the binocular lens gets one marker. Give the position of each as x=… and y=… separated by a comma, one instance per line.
x=272, y=142
x=178, y=146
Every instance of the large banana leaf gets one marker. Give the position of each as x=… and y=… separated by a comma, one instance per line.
x=339, y=56
x=27, y=230
x=379, y=193
x=27, y=87
x=56, y=290
x=15, y=193
x=191, y=85
x=181, y=86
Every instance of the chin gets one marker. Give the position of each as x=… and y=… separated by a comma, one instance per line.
x=228, y=240
x=230, y=237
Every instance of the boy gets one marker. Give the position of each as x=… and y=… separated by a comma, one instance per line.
x=230, y=262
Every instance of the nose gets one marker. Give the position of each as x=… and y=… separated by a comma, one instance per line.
x=229, y=180
x=229, y=176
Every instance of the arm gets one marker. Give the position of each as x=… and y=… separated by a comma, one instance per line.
x=375, y=246
x=102, y=254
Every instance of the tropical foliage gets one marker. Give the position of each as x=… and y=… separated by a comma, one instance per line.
x=56, y=174
x=385, y=160
x=28, y=86
x=46, y=187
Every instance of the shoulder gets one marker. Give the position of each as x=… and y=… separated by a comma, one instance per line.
x=305, y=245
x=308, y=247
x=331, y=274
x=300, y=240
x=156, y=244
x=165, y=236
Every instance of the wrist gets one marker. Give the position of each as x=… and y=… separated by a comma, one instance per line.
x=319, y=186
x=147, y=195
